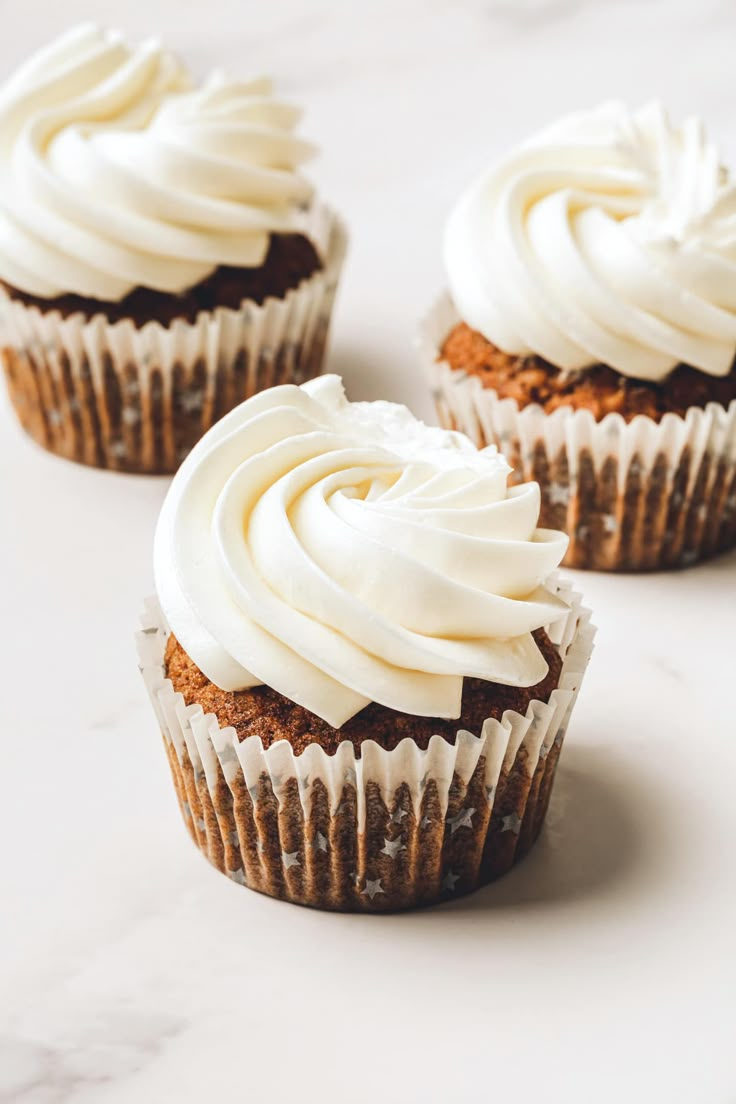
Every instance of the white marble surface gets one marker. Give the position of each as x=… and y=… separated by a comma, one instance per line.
x=603, y=969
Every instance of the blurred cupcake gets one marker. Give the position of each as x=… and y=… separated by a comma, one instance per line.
x=591, y=333
x=161, y=255
x=360, y=665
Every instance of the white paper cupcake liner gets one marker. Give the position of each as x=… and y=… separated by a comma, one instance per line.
x=634, y=496
x=386, y=830
x=137, y=399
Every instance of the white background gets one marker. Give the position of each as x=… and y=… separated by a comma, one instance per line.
x=603, y=969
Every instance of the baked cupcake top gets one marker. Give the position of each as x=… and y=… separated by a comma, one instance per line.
x=608, y=238
x=345, y=553
x=117, y=173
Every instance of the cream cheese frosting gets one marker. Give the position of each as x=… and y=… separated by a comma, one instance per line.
x=117, y=173
x=610, y=237
x=343, y=553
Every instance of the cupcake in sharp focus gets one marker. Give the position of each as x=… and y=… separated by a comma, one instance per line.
x=162, y=256
x=361, y=666
x=591, y=333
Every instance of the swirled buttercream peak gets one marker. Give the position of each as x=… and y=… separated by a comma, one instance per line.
x=117, y=173
x=610, y=238
x=344, y=553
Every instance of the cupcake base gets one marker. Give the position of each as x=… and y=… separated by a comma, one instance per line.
x=639, y=495
x=136, y=399
x=316, y=860
x=389, y=830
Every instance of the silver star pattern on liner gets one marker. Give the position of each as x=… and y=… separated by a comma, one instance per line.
x=319, y=843
x=253, y=791
x=392, y=847
x=448, y=882
x=490, y=792
x=559, y=738
x=350, y=776
x=201, y=824
x=543, y=752
x=610, y=524
x=190, y=402
x=237, y=876
x=511, y=823
x=372, y=888
x=276, y=780
x=558, y=494
x=425, y=822
x=117, y=449
x=228, y=756
x=304, y=783
x=462, y=819
x=260, y=846
x=353, y=876
x=397, y=816
x=290, y=858
x=186, y=810
x=234, y=839
x=424, y=780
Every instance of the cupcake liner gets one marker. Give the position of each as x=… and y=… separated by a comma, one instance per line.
x=386, y=830
x=137, y=399
x=634, y=496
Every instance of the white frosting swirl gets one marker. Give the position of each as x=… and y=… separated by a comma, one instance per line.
x=114, y=174
x=346, y=553
x=608, y=238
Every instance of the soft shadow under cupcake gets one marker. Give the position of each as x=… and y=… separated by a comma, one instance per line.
x=594, y=842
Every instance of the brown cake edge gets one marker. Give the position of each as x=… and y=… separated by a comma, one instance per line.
x=599, y=389
x=264, y=712
x=291, y=259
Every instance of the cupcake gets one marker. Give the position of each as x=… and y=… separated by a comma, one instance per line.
x=162, y=257
x=590, y=333
x=360, y=659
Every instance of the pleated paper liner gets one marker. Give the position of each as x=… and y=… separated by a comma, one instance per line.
x=138, y=399
x=389, y=830
x=634, y=496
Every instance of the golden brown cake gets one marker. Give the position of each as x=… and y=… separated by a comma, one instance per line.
x=263, y=712
x=599, y=389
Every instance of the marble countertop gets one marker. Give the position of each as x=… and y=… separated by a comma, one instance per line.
x=602, y=969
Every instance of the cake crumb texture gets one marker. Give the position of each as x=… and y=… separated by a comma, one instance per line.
x=290, y=259
x=599, y=389
x=261, y=711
